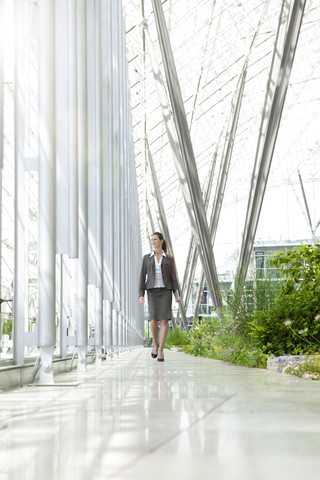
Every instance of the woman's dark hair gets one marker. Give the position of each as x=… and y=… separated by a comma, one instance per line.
x=164, y=244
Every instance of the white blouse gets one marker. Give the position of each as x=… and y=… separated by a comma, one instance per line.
x=158, y=273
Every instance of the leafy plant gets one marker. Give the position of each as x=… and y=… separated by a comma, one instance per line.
x=244, y=298
x=291, y=323
x=300, y=268
x=207, y=341
x=176, y=338
x=268, y=316
x=7, y=327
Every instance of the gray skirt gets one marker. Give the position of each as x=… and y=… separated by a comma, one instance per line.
x=159, y=303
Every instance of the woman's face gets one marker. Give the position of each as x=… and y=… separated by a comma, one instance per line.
x=156, y=242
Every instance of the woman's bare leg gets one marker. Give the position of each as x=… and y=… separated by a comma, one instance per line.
x=164, y=328
x=154, y=333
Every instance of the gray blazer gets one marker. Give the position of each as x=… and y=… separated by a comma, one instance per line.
x=147, y=275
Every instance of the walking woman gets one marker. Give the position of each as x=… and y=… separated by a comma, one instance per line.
x=158, y=277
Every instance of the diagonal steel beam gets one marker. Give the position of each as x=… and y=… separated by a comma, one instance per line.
x=227, y=153
x=281, y=66
x=305, y=201
x=164, y=224
x=224, y=170
x=186, y=167
x=150, y=216
x=192, y=258
x=188, y=265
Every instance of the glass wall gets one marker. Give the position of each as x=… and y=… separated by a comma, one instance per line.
x=69, y=216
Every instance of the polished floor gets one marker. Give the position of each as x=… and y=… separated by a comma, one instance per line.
x=187, y=418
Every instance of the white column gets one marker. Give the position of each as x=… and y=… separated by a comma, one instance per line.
x=82, y=261
x=124, y=333
x=115, y=154
x=125, y=143
x=93, y=206
x=122, y=170
x=127, y=334
x=47, y=176
x=120, y=322
x=107, y=178
x=1, y=93
x=98, y=154
x=62, y=159
x=1, y=118
x=62, y=127
x=115, y=171
x=72, y=129
x=93, y=258
x=98, y=333
x=115, y=348
x=20, y=257
x=108, y=327
x=64, y=298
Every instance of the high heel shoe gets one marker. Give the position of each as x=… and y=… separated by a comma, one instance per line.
x=161, y=359
x=154, y=355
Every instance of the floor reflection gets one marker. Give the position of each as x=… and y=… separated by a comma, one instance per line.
x=130, y=410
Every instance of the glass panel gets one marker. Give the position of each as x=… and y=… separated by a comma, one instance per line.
x=210, y=42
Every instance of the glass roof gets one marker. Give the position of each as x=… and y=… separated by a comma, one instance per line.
x=211, y=41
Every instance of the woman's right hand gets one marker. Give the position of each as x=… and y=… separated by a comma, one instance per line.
x=141, y=300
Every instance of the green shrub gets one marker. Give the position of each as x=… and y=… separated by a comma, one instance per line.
x=247, y=297
x=7, y=327
x=289, y=325
x=176, y=338
x=207, y=341
x=291, y=322
x=268, y=316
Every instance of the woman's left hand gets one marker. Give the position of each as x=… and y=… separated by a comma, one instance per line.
x=178, y=300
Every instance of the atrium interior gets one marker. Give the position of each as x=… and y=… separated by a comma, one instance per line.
x=119, y=118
